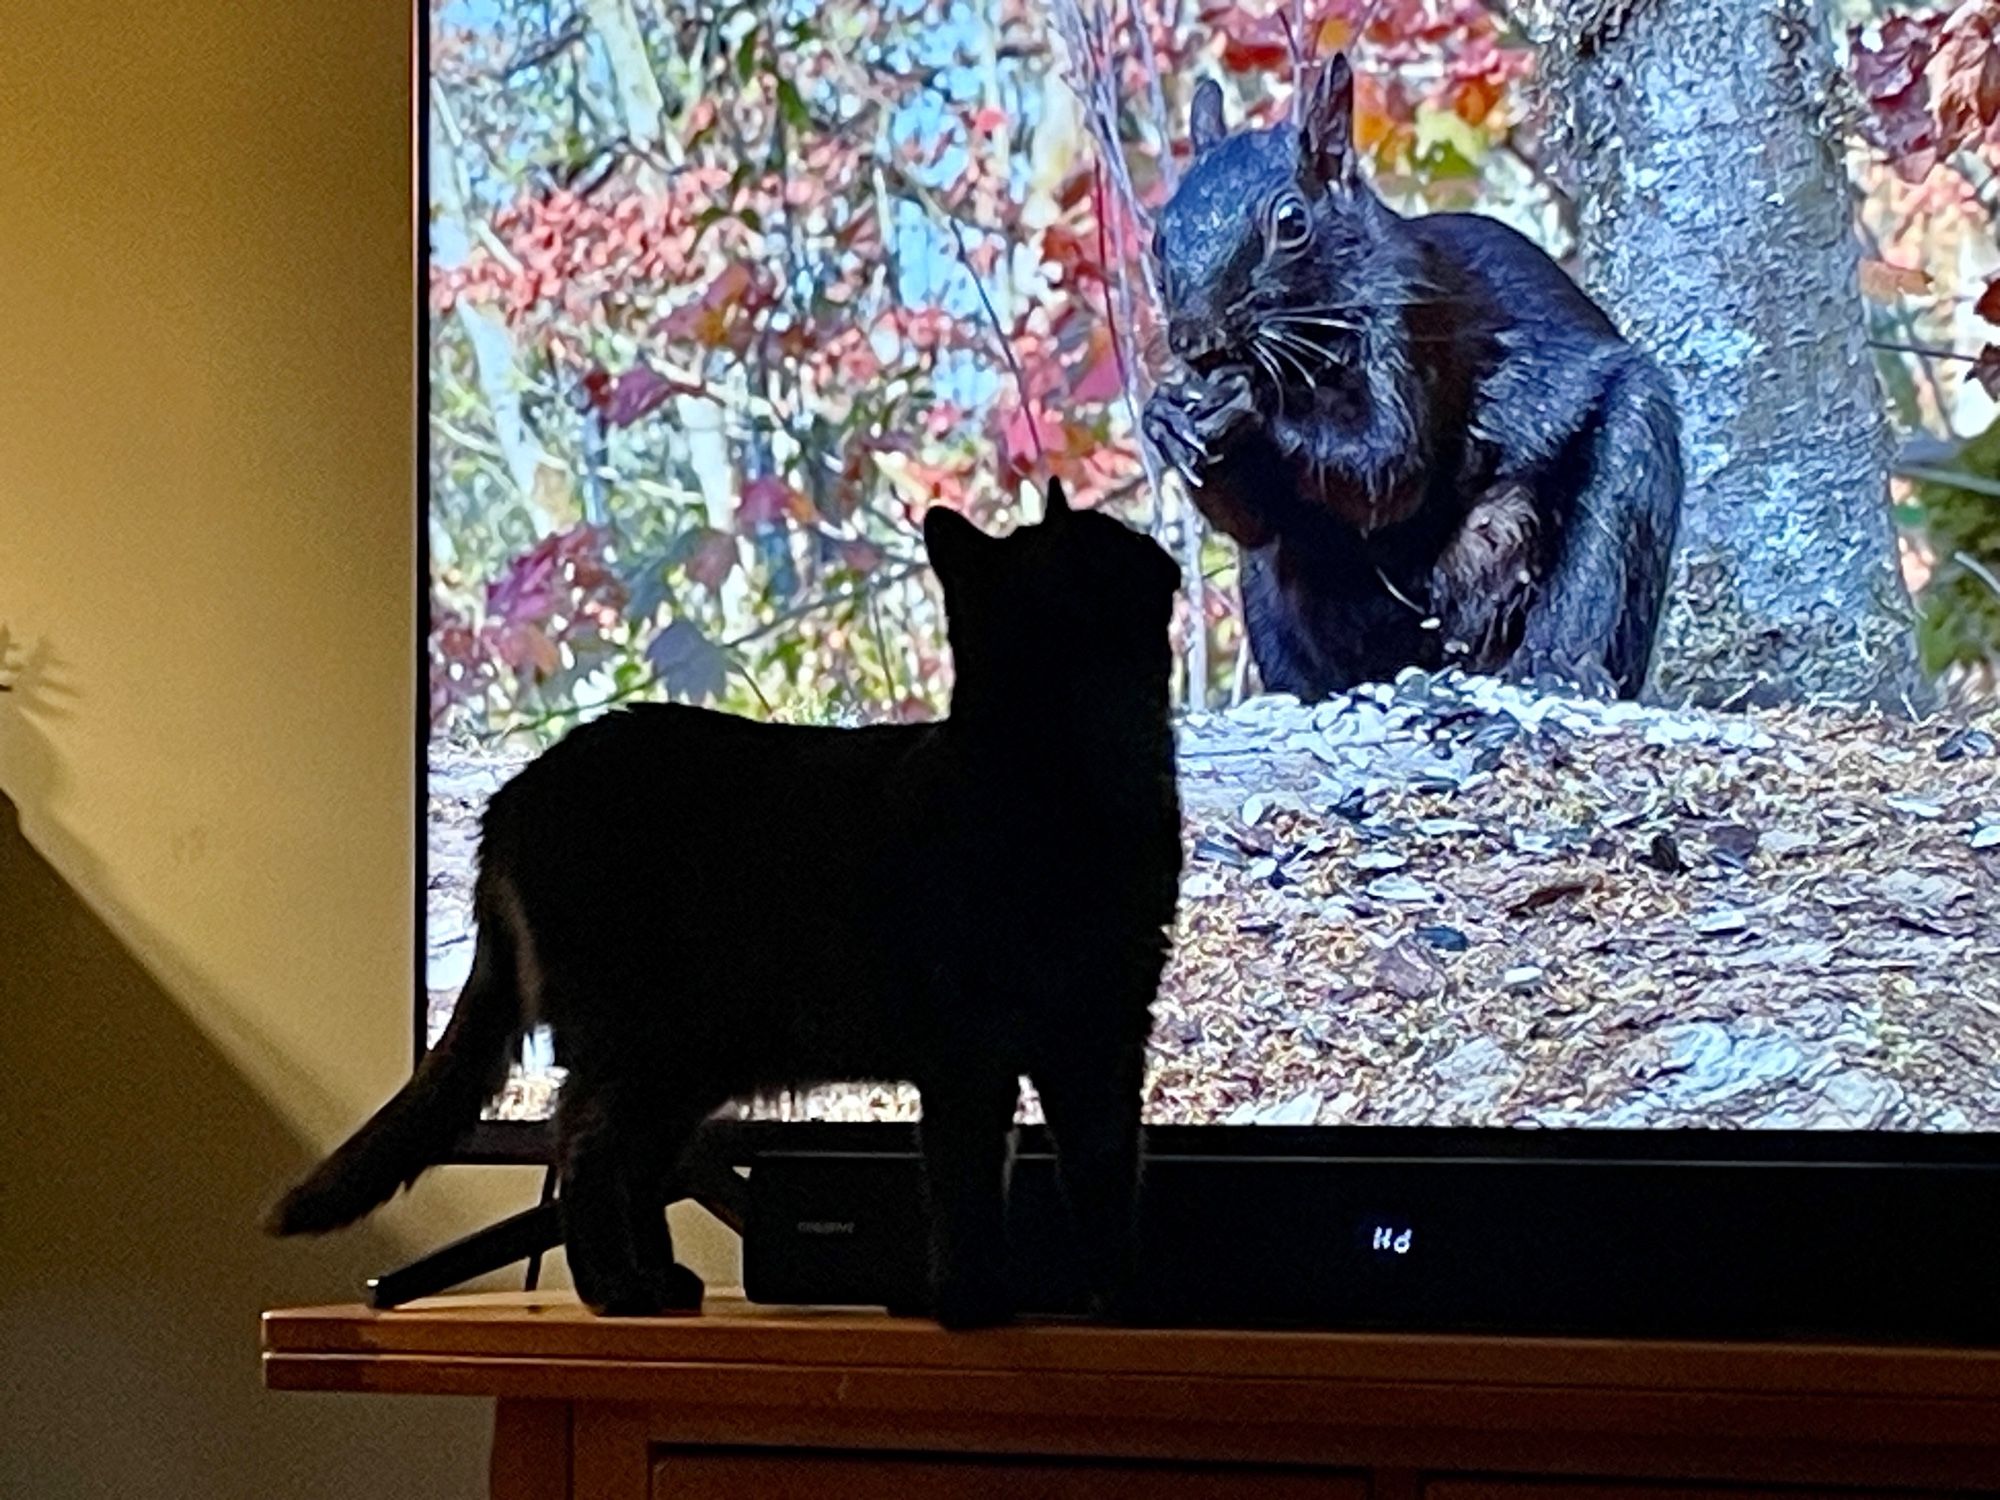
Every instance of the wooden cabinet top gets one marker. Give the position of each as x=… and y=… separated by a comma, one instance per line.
x=742, y=1373
x=545, y=1343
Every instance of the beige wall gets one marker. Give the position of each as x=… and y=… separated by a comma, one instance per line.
x=206, y=459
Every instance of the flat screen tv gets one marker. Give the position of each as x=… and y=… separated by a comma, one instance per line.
x=720, y=299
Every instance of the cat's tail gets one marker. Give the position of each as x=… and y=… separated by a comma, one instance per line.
x=419, y=1126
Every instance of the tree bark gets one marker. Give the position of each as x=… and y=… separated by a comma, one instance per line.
x=641, y=105
x=492, y=345
x=1717, y=228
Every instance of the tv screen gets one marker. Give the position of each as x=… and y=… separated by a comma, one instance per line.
x=722, y=298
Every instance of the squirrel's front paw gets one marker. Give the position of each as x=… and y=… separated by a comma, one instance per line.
x=1189, y=421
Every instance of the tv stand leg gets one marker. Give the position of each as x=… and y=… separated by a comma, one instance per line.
x=706, y=1177
x=527, y=1235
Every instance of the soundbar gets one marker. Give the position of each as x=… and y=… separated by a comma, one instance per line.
x=1518, y=1245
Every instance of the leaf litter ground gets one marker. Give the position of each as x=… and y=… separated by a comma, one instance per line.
x=1458, y=902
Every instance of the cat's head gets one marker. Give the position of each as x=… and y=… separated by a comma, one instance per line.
x=1079, y=601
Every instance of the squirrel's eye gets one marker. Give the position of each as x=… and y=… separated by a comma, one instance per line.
x=1291, y=224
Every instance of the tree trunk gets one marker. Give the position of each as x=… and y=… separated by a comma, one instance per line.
x=1717, y=229
x=493, y=361
x=641, y=105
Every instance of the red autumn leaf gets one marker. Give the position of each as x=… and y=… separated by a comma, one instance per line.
x=527, y=649
x=640, y=391
x=1101, y=382
x=1020, y=439
x=565, y=573
x=1968, y=67
x=1890, y=76
x=1256, y=44
x=861, y=555
x=710, y=558
x=1988, y=305
x=707, y=320
x=1986, y=370
x=1244, y=53
x=767, y=501
x=1076, y=255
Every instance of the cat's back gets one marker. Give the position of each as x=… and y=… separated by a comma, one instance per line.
x=670, y=774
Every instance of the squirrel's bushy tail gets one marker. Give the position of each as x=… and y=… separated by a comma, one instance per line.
x=419, y=1126
x=1639, y=457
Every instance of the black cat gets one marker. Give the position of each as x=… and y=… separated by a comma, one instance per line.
x=703, y=908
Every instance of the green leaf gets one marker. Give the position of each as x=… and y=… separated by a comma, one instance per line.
x=792, y=105
x=629, y=675
x=746, y=57
x=1447, y=147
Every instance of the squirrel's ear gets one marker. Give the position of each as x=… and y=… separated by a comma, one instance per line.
x=1205, y=126
x=1326, y=129
x=1056, y=505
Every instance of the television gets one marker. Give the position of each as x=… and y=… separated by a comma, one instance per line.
x=1492, y=1003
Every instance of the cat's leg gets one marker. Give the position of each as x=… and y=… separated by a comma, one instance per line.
x=596, y=1197
x=968, y=1140
x=654, y=1146
x=618, y=1141
x=1091, y=1096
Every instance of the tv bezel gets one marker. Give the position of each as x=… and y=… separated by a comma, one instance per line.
x=532, y=1142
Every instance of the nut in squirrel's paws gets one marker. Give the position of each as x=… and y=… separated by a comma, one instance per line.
x=1189, y=419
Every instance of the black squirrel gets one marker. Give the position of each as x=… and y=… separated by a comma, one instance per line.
x=1431, y=446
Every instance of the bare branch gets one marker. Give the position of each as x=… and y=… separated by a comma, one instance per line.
x=1923, y=351
x=571, y=32
x=1978, y=570
x=1094, y=79
x=1150, y=61
x=1000, y=336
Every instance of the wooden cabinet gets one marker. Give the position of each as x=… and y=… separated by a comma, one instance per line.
x=700, y=1474
x=1507, y=1489
x=750, y=1402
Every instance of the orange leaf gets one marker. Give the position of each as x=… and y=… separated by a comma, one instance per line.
x=1883, y=282
x=1336, y=34
x=1472, y=99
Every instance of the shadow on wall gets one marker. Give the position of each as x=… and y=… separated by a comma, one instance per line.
x=131, y=1272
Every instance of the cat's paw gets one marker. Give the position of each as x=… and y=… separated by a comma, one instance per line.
x=630, y=1300
x=1126, y=1307
x=678, y=1289
x=650, y=1293
x=961, y=1303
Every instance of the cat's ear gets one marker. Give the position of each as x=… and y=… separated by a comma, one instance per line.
x=1326, y=128
x=1205, y=124
x=1056, y=506
x=955, y=545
